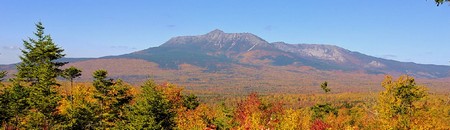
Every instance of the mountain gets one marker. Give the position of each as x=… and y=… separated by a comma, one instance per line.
x=216, y=50
x=233, y=62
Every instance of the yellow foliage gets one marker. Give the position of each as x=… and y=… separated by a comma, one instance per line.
x=402, y=104
x=355, y=110
x=291, y=120
x=196, y=119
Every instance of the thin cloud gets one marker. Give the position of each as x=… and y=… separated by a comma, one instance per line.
x=268, y=28
x=11, y=48
x=171, y=26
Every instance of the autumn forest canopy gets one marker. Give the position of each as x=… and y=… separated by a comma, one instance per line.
x=43, y=94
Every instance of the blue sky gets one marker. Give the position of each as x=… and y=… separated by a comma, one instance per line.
x=404, y=30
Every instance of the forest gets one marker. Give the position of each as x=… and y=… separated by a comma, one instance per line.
x=43, y=95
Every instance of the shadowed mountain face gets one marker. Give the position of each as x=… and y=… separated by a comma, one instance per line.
x=217, y=50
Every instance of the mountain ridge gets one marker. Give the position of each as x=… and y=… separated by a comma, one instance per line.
x=217, y=50
x=243, y=62
x=244, y=55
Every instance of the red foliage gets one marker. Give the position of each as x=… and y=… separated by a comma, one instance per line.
x=246, y=108
x=320, y=125
x=211, y=127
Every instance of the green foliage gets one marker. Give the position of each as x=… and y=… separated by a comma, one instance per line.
x=14, y=105
x=82, y=117
x=224, y=120
x=324, y=87
x=71, y=73
x=190, y=102
x=397, y=103
x=322, y=110
x=39, y=65
x=2, y=75
x=152, y=109
x=440, y=2
x=113, y=97
x=81, y=112
x=39, y=70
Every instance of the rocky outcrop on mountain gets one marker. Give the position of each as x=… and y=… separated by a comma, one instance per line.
x=217, y=40
x=323, y=52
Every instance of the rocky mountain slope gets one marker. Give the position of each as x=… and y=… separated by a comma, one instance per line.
x=217, y=50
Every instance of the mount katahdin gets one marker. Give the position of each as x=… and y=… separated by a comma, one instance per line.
x=217, y=50
x=218, y=59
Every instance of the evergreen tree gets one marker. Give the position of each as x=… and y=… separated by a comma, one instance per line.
x=113, y=98
x=321, y=110
x=38, y=70
x=440, y=2
x=71, y=73
x=324, y=87
x=14, y=106
x=152, y=109
x=2, y=75
x=190, y=101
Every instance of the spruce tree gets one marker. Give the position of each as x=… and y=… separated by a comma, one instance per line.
x=440, y=2
x=113, y=98
x=324, y=87
x=2, y=75
x=39, y=69
x=152, y=109
x=14, y=106
x=71, y=73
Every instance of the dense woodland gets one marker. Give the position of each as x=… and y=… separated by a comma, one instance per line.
x=37, y=98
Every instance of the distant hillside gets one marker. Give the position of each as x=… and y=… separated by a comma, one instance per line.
x=242, y=62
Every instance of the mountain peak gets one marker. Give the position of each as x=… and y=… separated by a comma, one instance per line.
x=220, y=41
x=215, y=31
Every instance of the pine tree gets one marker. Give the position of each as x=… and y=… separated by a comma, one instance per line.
x=152, y=109
x=113, y=98
x=440, y=2
x=71, y=73
x=190, y=101
x=14, y=105
x=38, y=71
x=2, y=75
x=321, y=110
x=324, y=87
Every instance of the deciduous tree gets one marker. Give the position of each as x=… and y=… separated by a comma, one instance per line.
x=397, y=103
